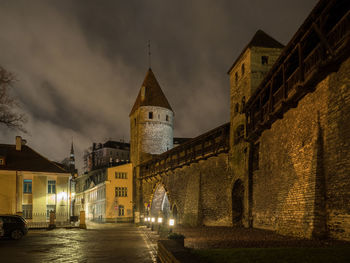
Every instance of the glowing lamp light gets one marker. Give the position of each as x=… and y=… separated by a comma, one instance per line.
x=153, y=219
x=148, y=219
x=160, y=220
x=62, y=196
x=171, y=222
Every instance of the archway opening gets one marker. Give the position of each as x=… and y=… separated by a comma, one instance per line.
x=160, y=203
x=237, y=203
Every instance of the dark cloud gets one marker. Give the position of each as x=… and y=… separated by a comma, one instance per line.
x=80, y=63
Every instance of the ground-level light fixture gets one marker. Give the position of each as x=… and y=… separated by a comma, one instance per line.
x=160, y=220
x=171, y=222
x=153, y=219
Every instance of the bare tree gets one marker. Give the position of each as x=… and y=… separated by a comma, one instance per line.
x=8, y=105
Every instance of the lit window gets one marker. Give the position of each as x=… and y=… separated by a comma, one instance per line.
x=27, y=186
x=2, y=161
x=50, y=208
x=150, y=115
x=51, y=186
x=27, y=211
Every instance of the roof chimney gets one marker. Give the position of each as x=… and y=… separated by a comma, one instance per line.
x=18, y=143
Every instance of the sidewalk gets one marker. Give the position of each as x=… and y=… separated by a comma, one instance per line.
x=230, y=237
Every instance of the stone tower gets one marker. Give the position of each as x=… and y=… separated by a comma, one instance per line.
x=151, y=121
x=151, y=130
x=246, y=73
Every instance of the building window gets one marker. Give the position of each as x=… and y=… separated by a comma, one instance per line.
x=121, y=210
x=242, y=69
x=150, y=115
x=50, y=208
x=236, y=107
x=236, y=77
x=2, y=161
x=27, y=186
x=166, y=117
x=119, y=175
x=264, y=60
x=239, y=134
x=51, y=187
x=27, y=211
x=121, y=191
x=135, y=121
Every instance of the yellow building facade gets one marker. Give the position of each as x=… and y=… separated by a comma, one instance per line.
x=106, y=195
x=32, y=185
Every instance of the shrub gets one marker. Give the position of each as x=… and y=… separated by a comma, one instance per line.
x=176, y=236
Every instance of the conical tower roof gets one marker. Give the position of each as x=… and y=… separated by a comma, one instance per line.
x=153, y=94
x=260, y=39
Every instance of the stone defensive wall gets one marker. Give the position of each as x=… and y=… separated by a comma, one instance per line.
x=291, y=172
x=195, y=176
x=298, y=122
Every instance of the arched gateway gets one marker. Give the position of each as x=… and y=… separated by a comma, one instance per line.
x=237, y=203
x=160, y=203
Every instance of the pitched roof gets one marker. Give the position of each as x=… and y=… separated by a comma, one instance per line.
x=260, y=39
x=26, y=160
x=154, y=95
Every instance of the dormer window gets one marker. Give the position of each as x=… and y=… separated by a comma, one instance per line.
x=150, y=115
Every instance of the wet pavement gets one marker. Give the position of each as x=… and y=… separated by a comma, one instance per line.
x=99, y=243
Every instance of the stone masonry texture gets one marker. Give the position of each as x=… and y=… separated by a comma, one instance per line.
x=305, y=165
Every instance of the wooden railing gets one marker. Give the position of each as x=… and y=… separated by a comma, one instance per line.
x=321, y=41
x=202, y=147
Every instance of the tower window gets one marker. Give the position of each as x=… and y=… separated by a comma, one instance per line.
x=236, y=77
x=239, y=134
x=150, y=115
x=243, y=69
x=236, y=107
x=264, y=60
x=167, y=118
x=135, y=121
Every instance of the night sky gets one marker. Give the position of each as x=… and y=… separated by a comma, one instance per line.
x=80, y=64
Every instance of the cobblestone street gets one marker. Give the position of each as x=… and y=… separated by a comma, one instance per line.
x=99, y=243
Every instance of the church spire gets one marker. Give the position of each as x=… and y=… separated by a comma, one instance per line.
x=71, y=157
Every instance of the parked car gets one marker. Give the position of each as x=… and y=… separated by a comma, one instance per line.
x=13, y=226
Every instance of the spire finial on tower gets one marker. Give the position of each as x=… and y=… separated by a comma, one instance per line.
x=149, y=53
